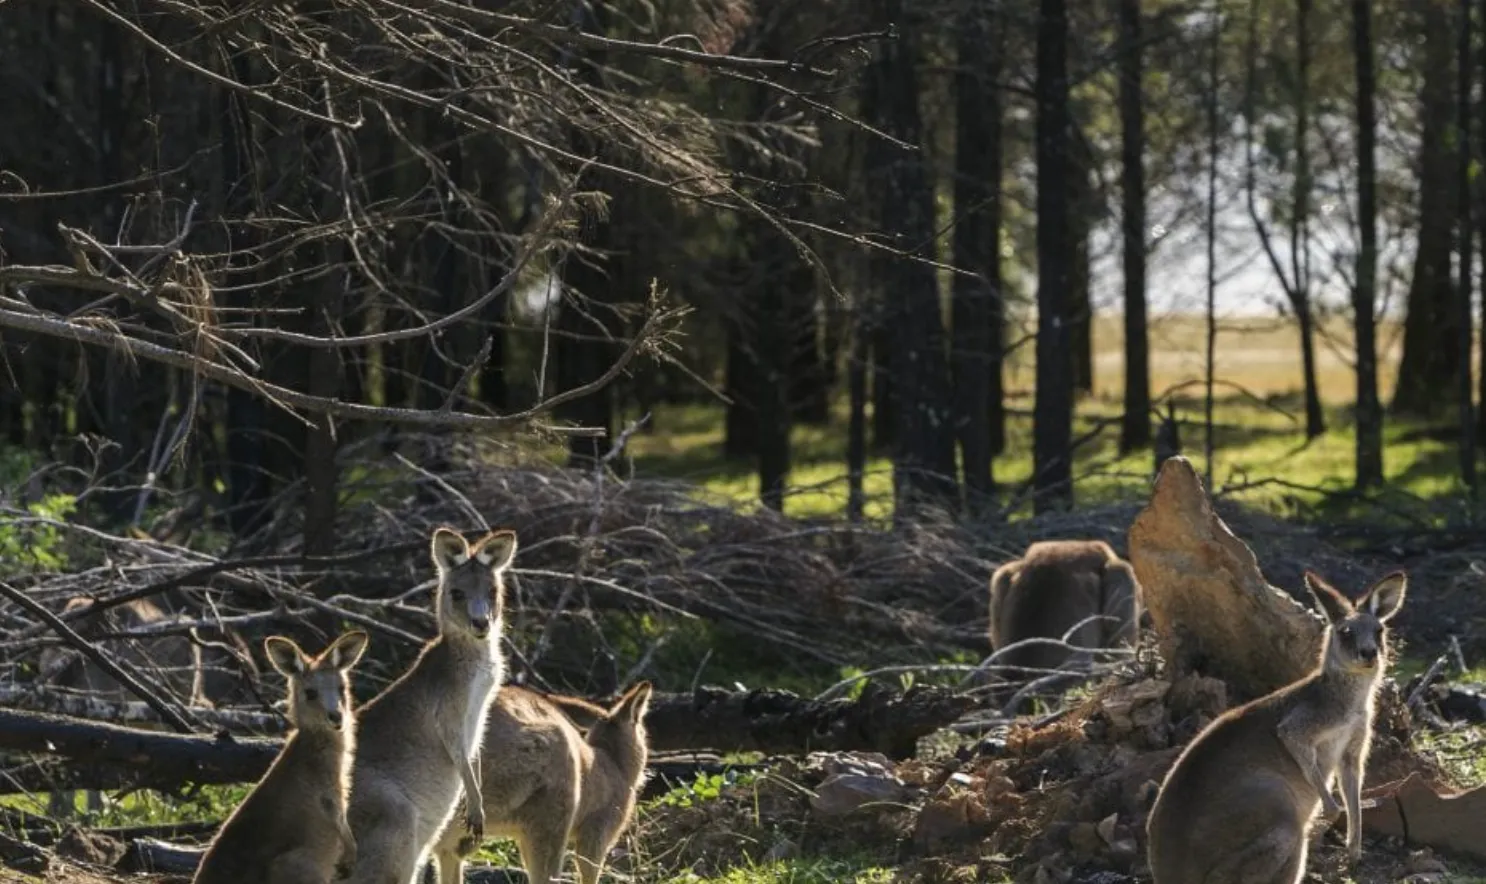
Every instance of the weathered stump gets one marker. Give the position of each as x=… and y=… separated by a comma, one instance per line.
x=1212, y=609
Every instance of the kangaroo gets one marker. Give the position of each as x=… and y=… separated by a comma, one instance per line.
x=1050, y=589
x=291, y=829
x=1237, y=805
x=547, y=786
x=420, y=738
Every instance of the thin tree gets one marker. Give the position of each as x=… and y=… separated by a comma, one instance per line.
x=976, y=342
x=1297, y=281
x=1465, y=231
x=1052, y=419
x=1212, y=239
x=1478, y=193
x=1135, y=426
x=1364, y=292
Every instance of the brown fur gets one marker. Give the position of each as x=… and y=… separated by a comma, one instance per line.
x=1051, y=588
x=292, y=829
x=1237, y=806
x=420, y=738
x=547, y=786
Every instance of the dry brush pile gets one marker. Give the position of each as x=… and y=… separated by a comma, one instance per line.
x=1057, y=800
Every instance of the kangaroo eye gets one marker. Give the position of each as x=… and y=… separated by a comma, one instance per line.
x=312, y=694
x=1346, y=632
x=457, y=595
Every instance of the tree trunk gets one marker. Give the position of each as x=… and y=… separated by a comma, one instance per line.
x=1431, y=360
x=884, y=399
x=1081, y=202
x=856, y=428
x=1300, y=242
x=976, y=344
x=1465, y=234
x=1364, y=295
x=1478, y=193
x=1135, y=424
x=924, y=461
x=1052, y=431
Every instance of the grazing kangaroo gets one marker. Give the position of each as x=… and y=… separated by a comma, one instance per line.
x=172, y=661
x=1050, y=589
x=420, y=738
x=545, y=785
x=1237, y=805
x=291, y=829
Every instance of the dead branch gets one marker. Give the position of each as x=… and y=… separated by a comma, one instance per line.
x=132, y=680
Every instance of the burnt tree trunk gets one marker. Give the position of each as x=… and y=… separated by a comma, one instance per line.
x=1052, y=430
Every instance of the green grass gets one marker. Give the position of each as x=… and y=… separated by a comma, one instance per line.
x=815, y=870
x=1261, y=456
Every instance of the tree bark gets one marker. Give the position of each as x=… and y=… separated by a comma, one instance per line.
x=1431, y=360
x=1465, y=234
x=1300, y=242
x=1052, y=432
x=1365, y=293
x=976, y=343
x=924, y=463
x=1081, y=204
x=105, y=755
x=1135, y=423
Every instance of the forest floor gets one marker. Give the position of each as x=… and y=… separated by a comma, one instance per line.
x=765, y=829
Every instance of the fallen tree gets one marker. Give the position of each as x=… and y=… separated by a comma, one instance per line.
x=108, y=756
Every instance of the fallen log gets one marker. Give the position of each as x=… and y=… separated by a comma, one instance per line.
x=39, y=698
x=108, y=756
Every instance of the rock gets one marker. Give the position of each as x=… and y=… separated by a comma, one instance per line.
x=958, y=817
x=1213, y=611
x=857, y=779
x=782, y=850
x=89, y=847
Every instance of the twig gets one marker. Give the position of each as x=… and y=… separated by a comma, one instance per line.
x=167, y=711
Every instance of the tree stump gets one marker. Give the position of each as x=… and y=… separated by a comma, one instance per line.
x=1213, y=611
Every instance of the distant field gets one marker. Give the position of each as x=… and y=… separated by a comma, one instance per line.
x=1262, y=355
x=1258, y=432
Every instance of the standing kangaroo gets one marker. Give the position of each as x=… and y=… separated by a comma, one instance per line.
x=545, y=785
x=1054, y=586
x=1237, y=806
x=420, y=738
x=291, y=829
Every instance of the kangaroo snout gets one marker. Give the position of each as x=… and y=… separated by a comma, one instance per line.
x=481, y=625
x=335, y=718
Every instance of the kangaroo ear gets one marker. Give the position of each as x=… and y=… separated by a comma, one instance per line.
x=449, y=549
x=1332, y=603
x=496, y=549
x=285, y=655
x=1386, y=596
x=347, y=650
x=635, y=703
